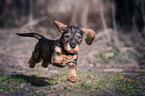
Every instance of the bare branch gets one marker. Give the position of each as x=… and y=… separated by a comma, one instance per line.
x=34, y=22
x=103, y=20
x=84, y=16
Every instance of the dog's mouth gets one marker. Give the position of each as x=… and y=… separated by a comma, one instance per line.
x=71, y=48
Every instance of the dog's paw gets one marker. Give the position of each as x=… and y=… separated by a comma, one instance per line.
x=72, y=79
x=31, y=63
x=44, y=65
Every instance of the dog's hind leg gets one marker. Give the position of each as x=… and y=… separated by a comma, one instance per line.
x=32, y=63
x=44, y=64
x=35, y=58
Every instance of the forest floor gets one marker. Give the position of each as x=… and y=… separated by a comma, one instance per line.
x=101, y=70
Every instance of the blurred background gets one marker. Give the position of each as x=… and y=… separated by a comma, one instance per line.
x=119, y=45
x=86, y=13
x=119, y=27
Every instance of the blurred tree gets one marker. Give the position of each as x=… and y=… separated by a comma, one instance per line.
x=129, y=10
x=16, y=13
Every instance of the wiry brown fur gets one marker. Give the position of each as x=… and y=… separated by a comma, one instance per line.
x=60, y=52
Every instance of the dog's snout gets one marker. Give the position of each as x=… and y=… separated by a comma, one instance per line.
x=72, y=44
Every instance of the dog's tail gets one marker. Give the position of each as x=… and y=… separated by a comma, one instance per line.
x=35, y=35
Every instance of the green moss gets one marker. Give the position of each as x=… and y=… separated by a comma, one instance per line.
x=1, y=78
x=9, y=84
x=58, y=76
x=129, y=85
x=88, y=83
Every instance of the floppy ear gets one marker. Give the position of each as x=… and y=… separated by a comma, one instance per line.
x=90, y=35
x=59, y=25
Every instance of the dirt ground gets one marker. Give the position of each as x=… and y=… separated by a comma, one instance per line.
x=101, y=69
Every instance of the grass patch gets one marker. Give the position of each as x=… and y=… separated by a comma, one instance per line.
x=129, y=85
x=8, y=84
x=88, y=84
x=113, y=83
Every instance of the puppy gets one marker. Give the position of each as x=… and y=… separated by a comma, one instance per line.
x=60, y=52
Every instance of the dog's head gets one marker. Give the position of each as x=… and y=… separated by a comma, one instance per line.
x=72, y=36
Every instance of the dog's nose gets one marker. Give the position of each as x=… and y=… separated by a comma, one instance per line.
x=72, y=45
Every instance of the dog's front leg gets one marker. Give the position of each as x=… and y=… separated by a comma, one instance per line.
x=58, y=59
x=72, y=77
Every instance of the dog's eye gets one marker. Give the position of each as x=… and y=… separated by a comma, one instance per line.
x=58, y=53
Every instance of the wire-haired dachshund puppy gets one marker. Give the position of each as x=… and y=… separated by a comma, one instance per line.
x=60, y=52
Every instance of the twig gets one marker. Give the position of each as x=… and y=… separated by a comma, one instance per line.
x=113, y=15
x=99, y=35
x=132, y=50
x=31, y=21
x=74, y=14
x=84, y=15
x=103, y=21
x=30, y=13
x=35, y=22
x=115, y=37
